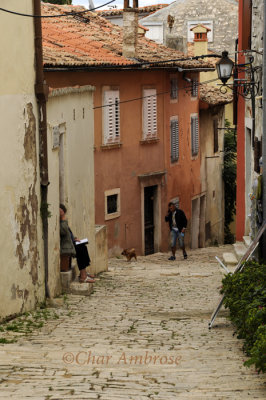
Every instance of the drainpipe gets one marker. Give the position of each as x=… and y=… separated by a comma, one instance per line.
x=41, y=92
x=264, y=133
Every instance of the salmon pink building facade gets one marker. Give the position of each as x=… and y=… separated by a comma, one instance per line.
x=146, y=124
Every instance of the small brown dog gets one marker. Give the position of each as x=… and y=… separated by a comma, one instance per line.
x=129, y=253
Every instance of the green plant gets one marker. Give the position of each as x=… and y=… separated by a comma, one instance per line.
x=245, y=296
x=45, y=212
x=229, y=177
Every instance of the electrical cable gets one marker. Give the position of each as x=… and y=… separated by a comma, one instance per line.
x=73, y=13
x=152, y=95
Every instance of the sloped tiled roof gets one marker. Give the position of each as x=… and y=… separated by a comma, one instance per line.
x=213, y=96
x=91, y=41
x=142, y=10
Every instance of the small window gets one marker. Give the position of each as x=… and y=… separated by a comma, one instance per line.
x=149, y=114
x=111, y=116
x=174, y=140
x=215, y=136
x=112, y=203
x=194, y=135
x=194, y=88
x=174, y=89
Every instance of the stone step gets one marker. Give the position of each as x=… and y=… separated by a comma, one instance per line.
x=82, y=289
x=240, y=249
x=247, y=240
x=229, y=259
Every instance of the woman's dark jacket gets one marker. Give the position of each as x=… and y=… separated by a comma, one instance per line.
x=180, y=218
x=66, y=244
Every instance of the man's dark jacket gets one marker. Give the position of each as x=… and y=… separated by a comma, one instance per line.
x=180, y=218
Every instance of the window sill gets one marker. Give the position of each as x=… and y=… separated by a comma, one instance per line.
x=109, y=146
x=149, y=141
x=107, y=217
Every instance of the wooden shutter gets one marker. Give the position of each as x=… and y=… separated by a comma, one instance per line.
x=174, y=140
x=149, y=113
x=174, y=88
x=215, y=136
x=111, y=116
x=194, y=88
x=194, y=135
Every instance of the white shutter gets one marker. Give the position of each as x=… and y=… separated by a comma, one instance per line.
x=149, y=113
x=195, y=135
x=111, y=116
x=174, y=140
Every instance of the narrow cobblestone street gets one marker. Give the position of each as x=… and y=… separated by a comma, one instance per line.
x=142, y=334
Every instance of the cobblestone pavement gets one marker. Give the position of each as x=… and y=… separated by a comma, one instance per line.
x=142, y=334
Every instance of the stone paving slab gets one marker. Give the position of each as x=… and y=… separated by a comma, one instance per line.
x=143, y=334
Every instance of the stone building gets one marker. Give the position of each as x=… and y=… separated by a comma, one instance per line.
x=174, y=23
x=249, y=116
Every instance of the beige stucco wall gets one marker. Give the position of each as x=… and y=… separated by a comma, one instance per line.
x=211, y=172
x=209, y=78
x=22, y=271
x=72, y=110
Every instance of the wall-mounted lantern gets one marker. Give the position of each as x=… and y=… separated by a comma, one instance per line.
x=224, y=67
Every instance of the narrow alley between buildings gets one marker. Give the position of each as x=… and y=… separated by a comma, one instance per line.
x=142, y=334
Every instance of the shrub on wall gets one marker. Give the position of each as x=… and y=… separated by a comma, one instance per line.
x=245, y=296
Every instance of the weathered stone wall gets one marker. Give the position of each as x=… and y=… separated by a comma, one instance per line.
x=222, y=13
x=22, y=269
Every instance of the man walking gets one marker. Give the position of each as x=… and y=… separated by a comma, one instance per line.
x=177, y=224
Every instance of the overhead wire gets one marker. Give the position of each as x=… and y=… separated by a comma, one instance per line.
x=72, y=13
x=152, y=95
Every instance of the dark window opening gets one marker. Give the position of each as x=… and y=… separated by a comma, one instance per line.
x=112, y=204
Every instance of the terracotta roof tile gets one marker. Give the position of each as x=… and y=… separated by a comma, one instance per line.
x=142, y=10
x=90, y=40
x=213, y=96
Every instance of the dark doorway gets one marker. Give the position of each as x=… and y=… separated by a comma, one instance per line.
x=149, y=197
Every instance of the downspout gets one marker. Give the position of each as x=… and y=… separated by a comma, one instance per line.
x=41, y=92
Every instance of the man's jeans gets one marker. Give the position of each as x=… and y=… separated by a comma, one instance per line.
x=174, y=235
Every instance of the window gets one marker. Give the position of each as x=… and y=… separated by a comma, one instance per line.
x=174, y=89
x=174, y=140
x=111, y=117
x=194, y=88
x=215, y=136
x=112, y=203
x=192, y=24
x=194, y=135
x=149, y=114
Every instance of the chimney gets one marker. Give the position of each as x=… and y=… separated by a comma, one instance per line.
x=200, y=39
x=130, y=27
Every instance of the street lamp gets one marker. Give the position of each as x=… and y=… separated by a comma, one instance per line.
x=224, y=67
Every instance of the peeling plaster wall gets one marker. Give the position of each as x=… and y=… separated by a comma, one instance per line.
x=22, y=271
x=71, y=110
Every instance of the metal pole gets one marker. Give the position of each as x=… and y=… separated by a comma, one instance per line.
x=264, y=132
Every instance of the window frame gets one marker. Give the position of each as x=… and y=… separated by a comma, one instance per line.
x=174, y=157
x=194, y=127
x=194, y=88
x=111, y=115
x=116, y=214
x=149, y=114
x=172, y=90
